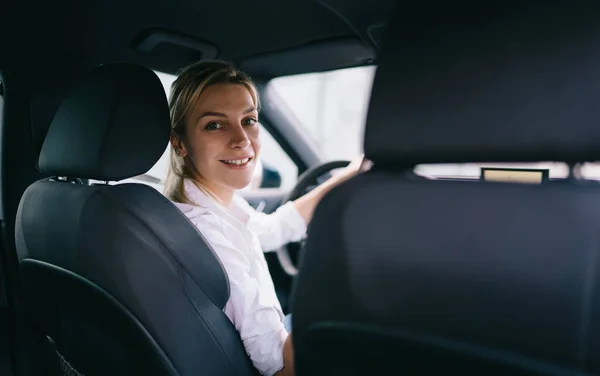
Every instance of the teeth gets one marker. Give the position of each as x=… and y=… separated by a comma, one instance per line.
x=237, y=161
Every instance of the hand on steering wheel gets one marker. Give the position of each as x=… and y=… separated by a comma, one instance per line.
x=306, y=180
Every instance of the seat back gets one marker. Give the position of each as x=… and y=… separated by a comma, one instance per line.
x=115, y=276
x=419, y=277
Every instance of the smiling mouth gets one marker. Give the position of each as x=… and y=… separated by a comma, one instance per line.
x=237, y=162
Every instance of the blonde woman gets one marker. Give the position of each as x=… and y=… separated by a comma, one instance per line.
x=215, y=146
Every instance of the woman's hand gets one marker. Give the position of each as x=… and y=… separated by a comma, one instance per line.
x=306, y=204
x=356, y=166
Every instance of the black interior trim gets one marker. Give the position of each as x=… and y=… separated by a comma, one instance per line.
x=317, y=56
x=17, y=166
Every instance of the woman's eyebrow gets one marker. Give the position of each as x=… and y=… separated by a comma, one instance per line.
x=212, y=113
x=220, y=114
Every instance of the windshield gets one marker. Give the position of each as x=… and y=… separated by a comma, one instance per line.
x=332, y=108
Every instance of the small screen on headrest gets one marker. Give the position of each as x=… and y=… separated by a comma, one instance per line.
x=513, y=175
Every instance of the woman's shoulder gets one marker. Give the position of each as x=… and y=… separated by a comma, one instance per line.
x=221, y=235
x=198, y=214
x=190, y=210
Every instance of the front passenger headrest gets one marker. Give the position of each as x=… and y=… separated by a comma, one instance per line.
x=467, y=81
x=113, y=124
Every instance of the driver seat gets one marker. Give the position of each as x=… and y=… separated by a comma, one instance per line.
x=115, y=276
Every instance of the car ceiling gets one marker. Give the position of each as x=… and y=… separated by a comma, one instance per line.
x=277, y=37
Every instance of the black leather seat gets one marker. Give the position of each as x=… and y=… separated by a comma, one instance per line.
x=115, y=276
x=409, y=277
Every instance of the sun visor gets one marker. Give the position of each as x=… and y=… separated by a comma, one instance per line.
x=316, y=56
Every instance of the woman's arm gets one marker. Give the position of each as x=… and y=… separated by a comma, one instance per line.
x=289, y=222
x=274, y=230
x=288, y=358
x=306, y=204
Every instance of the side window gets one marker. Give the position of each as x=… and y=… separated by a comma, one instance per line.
x=274, y=170
x=330, y=106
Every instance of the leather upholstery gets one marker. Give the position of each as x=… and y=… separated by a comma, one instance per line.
x=124, y=137
x=424, y=277
x=115, y=275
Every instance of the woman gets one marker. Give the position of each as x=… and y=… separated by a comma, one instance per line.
x=215, y=145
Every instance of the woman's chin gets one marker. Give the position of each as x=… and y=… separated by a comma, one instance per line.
x=239, y=179
x=238, y=184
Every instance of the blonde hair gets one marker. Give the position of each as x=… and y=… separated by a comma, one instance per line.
x=185, y=92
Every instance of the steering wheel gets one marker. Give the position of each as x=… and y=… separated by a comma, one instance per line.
x=308, y=180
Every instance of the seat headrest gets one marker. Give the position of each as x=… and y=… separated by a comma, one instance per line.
x=113, y=124
x=479, y=82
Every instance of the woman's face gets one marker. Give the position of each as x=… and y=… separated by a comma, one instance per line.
x=221, y=137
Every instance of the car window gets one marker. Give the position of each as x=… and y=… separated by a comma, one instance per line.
x=332, y=108
x=275, y=169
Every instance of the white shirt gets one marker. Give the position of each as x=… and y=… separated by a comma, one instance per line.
x=238, y=235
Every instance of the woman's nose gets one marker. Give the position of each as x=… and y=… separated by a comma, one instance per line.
x=239, y=138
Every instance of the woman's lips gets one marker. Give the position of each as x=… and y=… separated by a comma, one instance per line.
x=237, y=163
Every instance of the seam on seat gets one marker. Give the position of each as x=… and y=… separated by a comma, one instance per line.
x=179, y=267
x=111, y=297
x=173, y=257
x=162, y=197
x=199, y=314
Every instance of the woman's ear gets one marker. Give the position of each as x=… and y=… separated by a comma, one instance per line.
x=177, y=145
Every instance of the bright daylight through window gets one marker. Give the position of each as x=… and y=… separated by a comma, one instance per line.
x=331, y=108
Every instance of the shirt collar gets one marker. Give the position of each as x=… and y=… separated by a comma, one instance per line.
x=236, y=210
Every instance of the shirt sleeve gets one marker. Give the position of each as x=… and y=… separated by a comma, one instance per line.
x=257, y=320
x=274, y=230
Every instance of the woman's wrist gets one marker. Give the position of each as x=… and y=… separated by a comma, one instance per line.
x=288, y=358
x=306, y=204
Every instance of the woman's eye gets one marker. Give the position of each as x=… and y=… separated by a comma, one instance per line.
x=212, y=126
x=250, y=121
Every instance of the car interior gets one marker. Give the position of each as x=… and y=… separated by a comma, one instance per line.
x=414, y=267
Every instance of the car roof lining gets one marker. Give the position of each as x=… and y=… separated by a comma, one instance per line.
x=317, y=56
x=274, y=36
